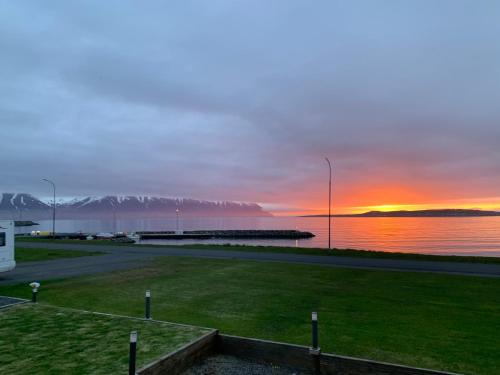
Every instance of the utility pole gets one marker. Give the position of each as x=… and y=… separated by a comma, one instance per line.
x=53, y=208
x=329, y=202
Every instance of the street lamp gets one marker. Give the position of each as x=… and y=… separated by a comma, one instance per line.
x=329, y=202
x=177, y=221
x=53, y=208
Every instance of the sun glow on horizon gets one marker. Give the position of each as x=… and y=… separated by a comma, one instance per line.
x=489, y=204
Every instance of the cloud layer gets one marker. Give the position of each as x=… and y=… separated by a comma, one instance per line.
x=242, y=100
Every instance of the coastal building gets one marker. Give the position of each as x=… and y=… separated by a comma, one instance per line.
x=7, y=261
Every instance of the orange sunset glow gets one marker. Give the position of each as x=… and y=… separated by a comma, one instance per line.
x=389, y=199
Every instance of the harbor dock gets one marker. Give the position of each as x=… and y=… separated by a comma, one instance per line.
x=228, y=234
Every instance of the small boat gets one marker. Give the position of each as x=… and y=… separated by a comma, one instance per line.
x=123, y=240
x=133, y=236
x=104, y=235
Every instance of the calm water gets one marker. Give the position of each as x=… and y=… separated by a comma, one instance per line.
x=459, y=236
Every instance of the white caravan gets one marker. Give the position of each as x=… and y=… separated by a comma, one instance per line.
x=7, y=261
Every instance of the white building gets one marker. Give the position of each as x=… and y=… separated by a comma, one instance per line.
x=7, y=261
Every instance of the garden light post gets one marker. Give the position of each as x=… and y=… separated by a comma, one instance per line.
x=314, y=331
x=132, y=353
x=329, y=202
x=148, y=304
x=34, y=290
x=315, y=350
x=53, y=208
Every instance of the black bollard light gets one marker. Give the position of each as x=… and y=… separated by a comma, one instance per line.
x=315, y=350
x=314, y=323
x=132, y=353
x=314, y=326
x=148, y=304
x=34, y=290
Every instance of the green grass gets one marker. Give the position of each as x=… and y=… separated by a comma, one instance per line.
x=346, y=253
x=290, y=250
x=444, y=322
x=31, y=255
x=37, y=339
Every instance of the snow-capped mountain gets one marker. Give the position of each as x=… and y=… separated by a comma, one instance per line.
x=19, y=202
x=26, y=206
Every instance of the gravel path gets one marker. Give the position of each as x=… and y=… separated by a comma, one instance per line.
x=228, y=365
x=8, y=301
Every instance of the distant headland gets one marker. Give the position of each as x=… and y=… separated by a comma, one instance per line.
x=450, y=212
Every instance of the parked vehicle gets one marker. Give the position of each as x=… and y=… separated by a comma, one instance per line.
x=7, y=261
x=40, y=233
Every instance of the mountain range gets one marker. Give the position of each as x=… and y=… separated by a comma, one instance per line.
x=25, y=206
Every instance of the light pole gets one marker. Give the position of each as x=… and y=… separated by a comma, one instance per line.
x=53, y=208
x=177, y=221
x=329, y=202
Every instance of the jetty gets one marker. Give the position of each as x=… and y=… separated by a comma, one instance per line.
x=252, y=234
x=226, y=234
x=24, y=223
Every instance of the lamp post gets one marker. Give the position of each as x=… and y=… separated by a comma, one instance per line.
x=53, y=208
x=177, y=221
x=132, y=353
x=148, y=304
x=34, y=290
x=329, y=202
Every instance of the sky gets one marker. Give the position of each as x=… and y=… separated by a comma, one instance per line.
x=243, y=100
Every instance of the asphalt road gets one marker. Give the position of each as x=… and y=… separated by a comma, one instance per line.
x=125, y=257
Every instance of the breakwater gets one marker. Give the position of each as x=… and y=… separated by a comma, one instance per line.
x=24, y=223
x=227, y=234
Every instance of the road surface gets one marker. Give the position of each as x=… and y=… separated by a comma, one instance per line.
x=121, y=257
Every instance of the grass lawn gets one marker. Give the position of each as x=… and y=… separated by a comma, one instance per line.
x=36, y=339
x=444, y=322
x=30, y=255
x=346, y=253
x=288, y=250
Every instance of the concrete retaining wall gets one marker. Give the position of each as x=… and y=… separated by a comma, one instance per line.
x=183, y=358
x=277, y=353
x=298, y=357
